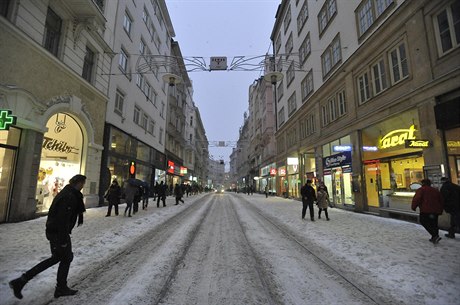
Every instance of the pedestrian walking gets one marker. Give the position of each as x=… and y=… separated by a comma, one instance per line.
x=161, y=193
x=430, y=203
x=308, y=198
x=137, y=199
x=266, y=191
x=323, y=202
x=113, y=196
x=145, y=196
x=130, y=192
x=451, y=196
x=179, y=193
x=65, y=209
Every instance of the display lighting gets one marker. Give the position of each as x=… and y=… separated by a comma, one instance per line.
x=7, y=119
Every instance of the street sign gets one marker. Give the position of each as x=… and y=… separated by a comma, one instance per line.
x=218, y=63
x=7, y=119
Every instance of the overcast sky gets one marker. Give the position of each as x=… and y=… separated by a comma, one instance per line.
x=230, y=28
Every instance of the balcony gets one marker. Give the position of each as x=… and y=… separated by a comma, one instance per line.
x=85, y=9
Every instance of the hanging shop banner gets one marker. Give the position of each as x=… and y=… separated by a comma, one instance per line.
x=337, y=160
x=272, y=172
x=183, y=170
x=282, y=171
x=170, y=167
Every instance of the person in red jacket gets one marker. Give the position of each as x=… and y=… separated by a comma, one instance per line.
x=430, y=203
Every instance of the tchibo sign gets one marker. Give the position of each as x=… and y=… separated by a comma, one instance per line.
x=218, y=63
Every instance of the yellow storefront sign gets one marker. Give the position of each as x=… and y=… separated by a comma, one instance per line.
x=397, y=137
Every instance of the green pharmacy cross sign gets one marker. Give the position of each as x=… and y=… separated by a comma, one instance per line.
x=7, y=119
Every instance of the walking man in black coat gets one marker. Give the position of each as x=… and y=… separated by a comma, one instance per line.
x=161, y=192
x=451, y=194
x=308, y=198
x=113, y=195
x=66, y=207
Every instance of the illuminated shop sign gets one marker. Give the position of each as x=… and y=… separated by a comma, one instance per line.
x=397, y=137
x=58, y=145
x=418, y=143
x=292, y=161
x=370, y=148
x=170, y=167
x=282, y=171
x=132, y=169
x=183, y=170
x=453, y=143
x=337, y=160
x=7, y=119
x=340, y=148
x=272, y=171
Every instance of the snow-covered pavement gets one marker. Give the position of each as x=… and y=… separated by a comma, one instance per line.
x=237, y=249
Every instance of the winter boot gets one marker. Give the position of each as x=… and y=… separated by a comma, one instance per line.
x=64, y=291
x=17, y=285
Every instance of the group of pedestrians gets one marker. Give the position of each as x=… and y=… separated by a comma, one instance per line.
x=309, y=198
x=432, y=203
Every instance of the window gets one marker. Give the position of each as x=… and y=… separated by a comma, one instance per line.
x=123, y=61
x=447, y=25
x=307, y=85
x=127, y=23
x=332, y=56
x=327, y=12
x=278, y=43
x=287, y=19
x=332, y=105
x=140, y=80
x=145, y=120
x=289, y=45
x=151, y=129
x=146, y=16
x=119, y=101
x=281, y=117
x=4, y=5
x=88, y=65
x=325, y=114
x=379, y=77
x=342, y=103
x=142, y=47
x=191, y=121
x=363, y=88
x=147, y=90
x=191, y=138
x=52, y=36
x=311, y=125
x=398, y=63
x=303, y=16
x=292, y=104
x=290, y=74
x=161, y=136
x=162, y=112
x=305, y=49
x=137, y=114
x=368, y=11
x=154, y=97
x=280, y=91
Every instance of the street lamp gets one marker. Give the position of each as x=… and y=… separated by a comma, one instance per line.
x=274, y=78
x=172, y=79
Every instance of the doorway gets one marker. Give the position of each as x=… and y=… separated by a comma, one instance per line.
x=7, y=166
x=372, y=184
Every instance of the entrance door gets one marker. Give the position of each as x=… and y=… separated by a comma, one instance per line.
x=372, y=184
x=7, y=161
x=337, y=186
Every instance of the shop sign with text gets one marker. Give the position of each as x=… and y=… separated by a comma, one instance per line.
x=337, y=160
x=272, y=172
x=170, y=167
x=282, y=171
x=397, y=137
x=418, y=143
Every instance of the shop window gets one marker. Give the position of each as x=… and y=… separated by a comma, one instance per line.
x=60, y=158
x=53, y=27
x=447, y=26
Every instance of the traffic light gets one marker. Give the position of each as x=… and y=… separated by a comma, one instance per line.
x=132, y=169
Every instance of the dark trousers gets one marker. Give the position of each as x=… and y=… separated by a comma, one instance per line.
x=266, y=194
x=179, y=199
x=112, y=204
x=454, y=223
x=430, y=223
x=128, y=207
x=307, y=204
x=61, y=255
x=162, y=198
x=145, y=202
x=325, y=212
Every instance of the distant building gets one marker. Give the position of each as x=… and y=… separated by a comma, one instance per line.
x=216, y=173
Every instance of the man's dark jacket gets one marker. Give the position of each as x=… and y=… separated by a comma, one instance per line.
x=451, y=194
x=308, y=193
x=67, y=206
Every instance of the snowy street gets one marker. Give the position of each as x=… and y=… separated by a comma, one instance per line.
x=236, y=249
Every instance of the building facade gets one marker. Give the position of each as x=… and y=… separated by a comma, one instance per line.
x=135, y=128
x=55, y=61
x=364, y=109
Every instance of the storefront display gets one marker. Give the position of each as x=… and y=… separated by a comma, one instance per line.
x=60, y=158
x=268, y=178
x=337, y=178
x=9, y=142
x=282, y=181
x=395, y=169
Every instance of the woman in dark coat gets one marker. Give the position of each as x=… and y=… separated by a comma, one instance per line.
x=113, y=195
